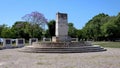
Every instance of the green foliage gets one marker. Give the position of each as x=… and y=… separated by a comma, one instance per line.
x=47, y=34
x=6, y=32
x=51, y=28
x=111, y=29
x=102, y=27
x=79, y=34
x=72, y=31
x=1, y=28
x=92, y=29
x=26, y=30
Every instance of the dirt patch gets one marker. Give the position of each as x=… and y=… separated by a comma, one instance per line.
x=12, y=58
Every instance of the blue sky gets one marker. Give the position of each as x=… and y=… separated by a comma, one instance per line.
x=79, y=11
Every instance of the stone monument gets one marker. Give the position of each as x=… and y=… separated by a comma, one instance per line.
x=61, y=28
x=61, y=43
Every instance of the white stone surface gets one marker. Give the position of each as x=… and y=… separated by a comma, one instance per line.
x=19, y=43
x=46, y=39
x=61, y=27
x=31, y=40
x=74, y=39
x=61, y=24
x=6, y=44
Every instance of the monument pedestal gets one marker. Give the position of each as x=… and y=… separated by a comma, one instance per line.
x=62, y=47
x=61, y=39
x=55, y=39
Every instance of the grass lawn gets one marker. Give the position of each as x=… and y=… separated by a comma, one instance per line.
x=108, y=44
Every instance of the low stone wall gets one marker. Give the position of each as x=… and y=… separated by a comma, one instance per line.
x=60, y=44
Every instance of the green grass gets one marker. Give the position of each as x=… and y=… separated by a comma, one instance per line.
x=108, y=44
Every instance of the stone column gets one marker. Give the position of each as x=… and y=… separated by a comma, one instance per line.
x=7, y=43
x=20, y=42
x=31, y=40
x=61, y=28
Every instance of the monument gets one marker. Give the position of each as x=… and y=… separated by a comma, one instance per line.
x=61, y=43
x=61, y=28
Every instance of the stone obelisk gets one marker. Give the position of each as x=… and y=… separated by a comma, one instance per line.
x=61, y=28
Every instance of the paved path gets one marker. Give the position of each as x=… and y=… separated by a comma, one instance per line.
x=12, y=58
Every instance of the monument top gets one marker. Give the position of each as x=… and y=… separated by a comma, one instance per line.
x=61, y=15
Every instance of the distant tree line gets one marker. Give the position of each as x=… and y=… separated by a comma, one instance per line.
x=21, y=30
x=101, y=27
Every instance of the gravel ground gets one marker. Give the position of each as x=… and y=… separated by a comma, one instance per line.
x=12, y=58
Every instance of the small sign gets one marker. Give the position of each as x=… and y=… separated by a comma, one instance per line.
x=8, y=41
x=34, y=40
x=20, y=41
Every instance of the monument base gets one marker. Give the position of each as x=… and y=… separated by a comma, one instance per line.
x=62, y=47
x=61, y=39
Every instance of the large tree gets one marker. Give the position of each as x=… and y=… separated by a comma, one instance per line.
x=23, y=29
x=111, y=29
x=6, y=32
x=35, y=18
x=92, y=29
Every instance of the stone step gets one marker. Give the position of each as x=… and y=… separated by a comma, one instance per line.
x=63, y=50
x=71, y=51
x=60, y=44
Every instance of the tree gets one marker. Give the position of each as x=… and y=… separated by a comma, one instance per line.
x=23, y=29
x=79, y=34
x=35, y=18
x=92, y=29
x=6, y=32
x=111, y=29
x=72, y=31
x=1, y=28
x=51, y=27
